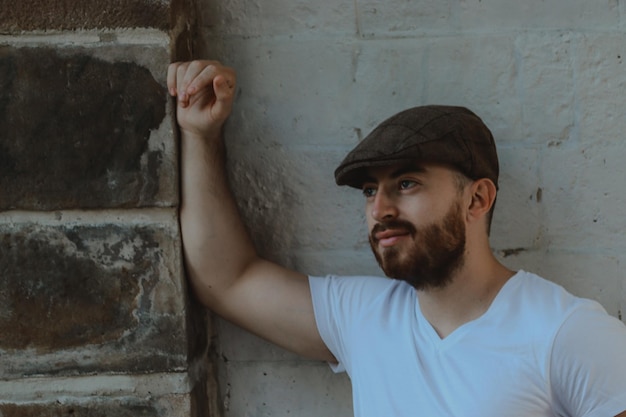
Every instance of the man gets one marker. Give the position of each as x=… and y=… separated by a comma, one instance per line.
x=454, y=333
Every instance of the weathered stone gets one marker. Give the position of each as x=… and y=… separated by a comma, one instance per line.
x=82, y=14
x=74, y=131
x=77, y=410
x=179, y=405
x=108, y=297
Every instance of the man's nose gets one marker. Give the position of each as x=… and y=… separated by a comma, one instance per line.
x=384, y=207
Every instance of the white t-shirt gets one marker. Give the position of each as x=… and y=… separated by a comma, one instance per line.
x=537, y=351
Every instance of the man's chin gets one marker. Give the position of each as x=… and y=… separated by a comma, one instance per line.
x=418, y=278
x=395, y=270
x=393, y=263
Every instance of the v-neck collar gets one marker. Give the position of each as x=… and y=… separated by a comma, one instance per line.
x=463, y=329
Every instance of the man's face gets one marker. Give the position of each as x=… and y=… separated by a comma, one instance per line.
x=416, y=223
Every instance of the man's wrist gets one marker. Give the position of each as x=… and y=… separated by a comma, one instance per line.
x=209, y=136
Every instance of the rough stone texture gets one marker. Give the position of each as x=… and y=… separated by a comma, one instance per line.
x=398, y=16
x=184, y=29
x=165, y=406
x=93, y=410
x=29, y=15
x=546, y=65
x=75, y=130
x=95, y=315
x=303, y=389
x=278, y=17
x=599, y=66
x=596, y=224
x=547, y=77
x=101, y=298
x=494, y=15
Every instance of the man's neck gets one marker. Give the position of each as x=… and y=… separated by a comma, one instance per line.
x=467, y=297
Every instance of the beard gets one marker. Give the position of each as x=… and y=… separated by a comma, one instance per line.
x=434, y=252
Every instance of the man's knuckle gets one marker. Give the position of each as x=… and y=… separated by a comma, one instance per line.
x=194, y=65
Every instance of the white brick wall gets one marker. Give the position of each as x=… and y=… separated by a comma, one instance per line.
x=547, y=77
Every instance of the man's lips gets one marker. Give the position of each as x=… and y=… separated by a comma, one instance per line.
x=390, y=237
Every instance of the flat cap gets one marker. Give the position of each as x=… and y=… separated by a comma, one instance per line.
x=437, y=134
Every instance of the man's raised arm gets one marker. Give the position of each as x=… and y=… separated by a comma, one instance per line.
x=225, y=271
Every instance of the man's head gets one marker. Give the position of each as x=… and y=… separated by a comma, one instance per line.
x=433, y=134
x=427, y=168
x=449, y=135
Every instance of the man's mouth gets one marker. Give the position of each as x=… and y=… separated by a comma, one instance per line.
x=388, y=234
x=390, y=237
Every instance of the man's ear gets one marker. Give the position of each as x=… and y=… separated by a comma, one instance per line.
x=483, y=194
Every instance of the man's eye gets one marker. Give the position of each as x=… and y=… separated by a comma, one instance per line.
x=369, y=191
x=405, y=184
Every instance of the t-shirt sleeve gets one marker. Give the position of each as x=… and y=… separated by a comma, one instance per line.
x=326, y=306
x=588, y=364
x=339, y=304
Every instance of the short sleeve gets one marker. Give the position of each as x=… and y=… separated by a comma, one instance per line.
x=324, y=297
x=588, y=364
x=339, y=303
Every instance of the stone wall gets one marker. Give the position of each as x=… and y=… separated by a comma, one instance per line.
x=95, y=317
x=314, y=77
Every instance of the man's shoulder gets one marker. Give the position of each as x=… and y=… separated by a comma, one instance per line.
x=360, y=283
x=534, y=298
x=532, y=288
x=361, y=290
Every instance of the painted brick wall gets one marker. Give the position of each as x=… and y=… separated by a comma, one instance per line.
x=95, y=318
x=314, y=77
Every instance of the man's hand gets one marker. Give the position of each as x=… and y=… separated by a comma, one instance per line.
x=205, y=91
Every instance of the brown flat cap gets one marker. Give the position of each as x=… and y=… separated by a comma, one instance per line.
x=440, y=134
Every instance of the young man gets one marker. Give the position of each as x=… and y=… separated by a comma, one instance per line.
x=454, y=333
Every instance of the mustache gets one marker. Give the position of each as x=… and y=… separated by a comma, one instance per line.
x=394, y=224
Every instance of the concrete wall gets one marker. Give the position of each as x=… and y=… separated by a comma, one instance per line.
x=314, y=77
x=95, y=318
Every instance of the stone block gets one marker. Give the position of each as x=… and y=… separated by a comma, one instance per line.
x=238, y=345
x=600, y=81
x=584, y=196
x=128, y=408
x=546, y=82
x=284, y=389
x=479, y=72
x=289, y=200
x=509, y=15
x=517, y=218
x=278, y=17
x=85, y=298
x=385, y=82
x=402, y=18
x=76, y=132
x=41, y=15
x=269, y=77
x=166, y=406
